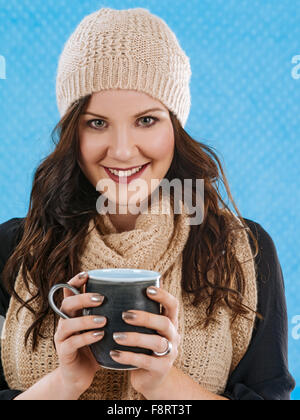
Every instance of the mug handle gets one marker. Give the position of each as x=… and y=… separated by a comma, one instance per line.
x=51, y=294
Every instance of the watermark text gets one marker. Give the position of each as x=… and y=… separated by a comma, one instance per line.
x=188, y=198
x=2, y=67
x=296, y=328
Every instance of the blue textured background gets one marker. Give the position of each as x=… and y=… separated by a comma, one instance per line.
x=245, y=103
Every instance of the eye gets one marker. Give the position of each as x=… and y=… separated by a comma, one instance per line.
x=98, y=124
x=151, y=118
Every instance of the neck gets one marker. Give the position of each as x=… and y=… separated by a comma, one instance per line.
x=123, y=222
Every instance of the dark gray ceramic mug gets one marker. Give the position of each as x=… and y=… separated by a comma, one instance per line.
x=124, y=289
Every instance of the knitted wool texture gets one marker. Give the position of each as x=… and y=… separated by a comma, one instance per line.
x=127, y=49
x=208, y=355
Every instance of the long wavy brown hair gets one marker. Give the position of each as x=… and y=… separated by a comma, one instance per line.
x=63, y=201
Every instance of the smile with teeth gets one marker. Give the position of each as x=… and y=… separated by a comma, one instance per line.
x=125, y=173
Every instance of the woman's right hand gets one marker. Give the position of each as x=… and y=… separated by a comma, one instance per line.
x=77, y=365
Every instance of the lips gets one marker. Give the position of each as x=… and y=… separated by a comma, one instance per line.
x=124, y=169
x=128, y=179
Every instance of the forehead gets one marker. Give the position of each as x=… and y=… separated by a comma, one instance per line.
x=127, y=101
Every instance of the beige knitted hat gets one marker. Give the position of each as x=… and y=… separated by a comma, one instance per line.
x=127, y=49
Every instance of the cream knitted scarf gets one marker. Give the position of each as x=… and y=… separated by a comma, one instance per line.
x=208, y=355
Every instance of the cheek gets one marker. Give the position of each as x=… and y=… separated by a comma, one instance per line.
x=90, y=150
x=161, y=146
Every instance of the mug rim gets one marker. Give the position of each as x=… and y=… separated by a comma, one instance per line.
x=143, y=275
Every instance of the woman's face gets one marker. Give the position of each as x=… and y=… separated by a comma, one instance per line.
x=117, y=131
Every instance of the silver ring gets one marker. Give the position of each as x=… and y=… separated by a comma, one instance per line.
x=164, y=353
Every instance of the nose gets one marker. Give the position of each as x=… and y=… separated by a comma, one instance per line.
x=122, y=146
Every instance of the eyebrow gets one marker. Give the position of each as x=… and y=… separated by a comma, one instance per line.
x=135, y=116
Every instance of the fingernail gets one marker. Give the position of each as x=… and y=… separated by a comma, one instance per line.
x=152, y=291
x=82, y=275
x=115, y=353
x=129, y=316
x=99, y=320
x=119, y=336
x=97, y=298
x=98, y=334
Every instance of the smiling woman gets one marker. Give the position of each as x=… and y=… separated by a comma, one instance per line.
x=124, y=143
x=218, y=319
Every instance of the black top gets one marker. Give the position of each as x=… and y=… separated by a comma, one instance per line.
x=263, y=372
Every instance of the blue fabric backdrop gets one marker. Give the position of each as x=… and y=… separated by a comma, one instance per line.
x=245, y=103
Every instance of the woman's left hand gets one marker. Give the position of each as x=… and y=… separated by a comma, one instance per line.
x=153, y=370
